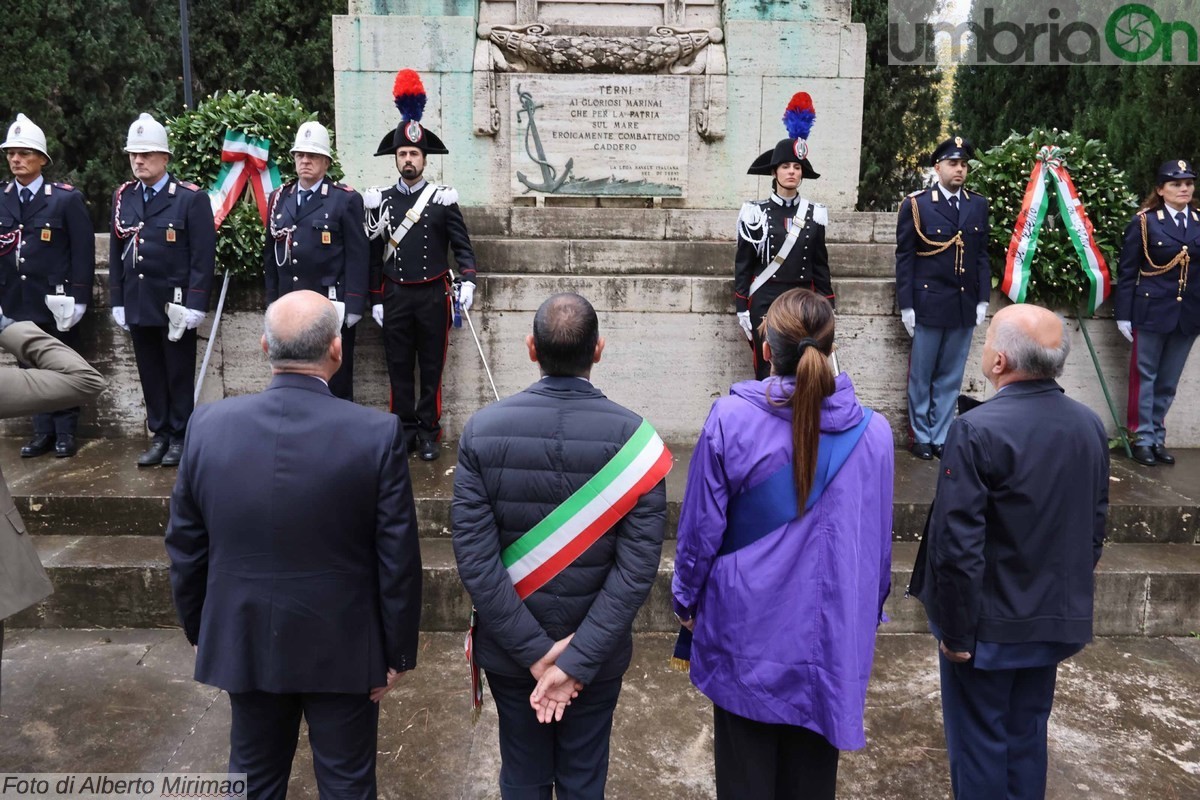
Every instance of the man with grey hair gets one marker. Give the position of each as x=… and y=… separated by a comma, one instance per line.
x=294, y=560
x=1013, y=539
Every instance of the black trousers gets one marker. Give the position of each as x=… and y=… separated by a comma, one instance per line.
x=762, y=761
x=64, y=421
x=167, y=371
x=342, y=382
x=416, y=332
x=342, y=730
x=569, y=757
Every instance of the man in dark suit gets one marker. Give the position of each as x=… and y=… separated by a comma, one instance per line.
x=294, y=560
x=161, y=260
x=556, y=619
x=943, y=282
x=47, y=264
x=1015, y=534
x=316, y=241
x=57, y=377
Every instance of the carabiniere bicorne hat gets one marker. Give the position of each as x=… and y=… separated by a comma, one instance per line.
x=798, y=119
x=954, y=147
x=409, y=94
x=1175, y=171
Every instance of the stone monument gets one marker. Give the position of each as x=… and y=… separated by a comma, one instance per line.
x=562, y=102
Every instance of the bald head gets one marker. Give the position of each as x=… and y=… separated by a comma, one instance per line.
x=301, y=334
x=1025, y=342
x=566, y=335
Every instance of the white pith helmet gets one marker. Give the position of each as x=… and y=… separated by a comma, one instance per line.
x=147, y=135
x=312, y=137
x=25, y=135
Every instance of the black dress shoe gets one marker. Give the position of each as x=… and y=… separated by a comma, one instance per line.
x=429, y=450
x=923, y=451
x=1161, y=455
x=65, y=446
x=153, y=456
x=39, y=445
x=937, y=449
x=1144, y=454
x=173, y=455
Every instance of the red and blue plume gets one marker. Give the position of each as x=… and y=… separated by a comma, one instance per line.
x=799, y=117
x=410, y=95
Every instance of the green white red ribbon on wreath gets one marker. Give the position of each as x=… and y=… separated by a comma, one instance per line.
x=244, y=159
x=1049, y=167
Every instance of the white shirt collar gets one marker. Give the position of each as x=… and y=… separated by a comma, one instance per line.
x=948, y=194
x=1173, y=211
x=404, y=188
x=300, y=186
x=34, y=186
x=786, y=202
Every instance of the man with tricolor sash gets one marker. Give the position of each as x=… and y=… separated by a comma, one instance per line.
x=558, y=515
x=316, y=241
x=160, y=267
x=943, y=284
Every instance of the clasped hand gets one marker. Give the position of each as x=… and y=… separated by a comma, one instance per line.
x=555, y=689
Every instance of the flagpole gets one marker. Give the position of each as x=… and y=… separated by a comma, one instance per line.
x=1112, y=408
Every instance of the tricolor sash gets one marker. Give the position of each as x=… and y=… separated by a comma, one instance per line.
x=554, y=543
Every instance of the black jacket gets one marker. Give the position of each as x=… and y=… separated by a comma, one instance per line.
x=519, y=459
x=1158, y=303
x=293, y=543
x=807, y=264
x=170, y=244
x=319, y=245
x=57, y=248
x=1018, y=522
x=423, y=254
x=943, y=292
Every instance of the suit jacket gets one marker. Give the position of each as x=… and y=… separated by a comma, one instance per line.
x=518, y=460
x=942, y=297
x=1017, y=526
x=293, y=542
x=58, y=378
x=175, y=249
x=1158, y=303
x=807, y=264
x=58, y=248
x=328, y=245
x=423, y=252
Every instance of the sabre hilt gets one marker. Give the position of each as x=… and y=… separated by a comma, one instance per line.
x=457, y=303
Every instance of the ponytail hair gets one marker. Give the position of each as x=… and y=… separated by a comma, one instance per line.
x=799, y=328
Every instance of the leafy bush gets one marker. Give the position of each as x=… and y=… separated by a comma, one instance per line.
x=1001, y=174
x=196, y=139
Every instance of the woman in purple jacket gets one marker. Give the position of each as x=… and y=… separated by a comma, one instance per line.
x=783, y=603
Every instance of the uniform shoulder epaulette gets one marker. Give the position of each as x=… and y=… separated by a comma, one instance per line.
x=189, y=185
x=917, y=192
x=343, y=187
x=68, y=187
x=821, y=214
x=445, y=196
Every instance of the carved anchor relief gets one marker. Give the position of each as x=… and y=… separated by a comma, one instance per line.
x=552, y=180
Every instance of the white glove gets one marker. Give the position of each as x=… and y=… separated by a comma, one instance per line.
x=1126, y=328
x=909, y=317
x=377, y=314
x=194, y=318
x=118, y=313
x=352, y=320
x=980, y=313
x=466, y=295
x=743, y=318
x=78, y=315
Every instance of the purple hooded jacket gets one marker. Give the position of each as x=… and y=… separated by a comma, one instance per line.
x=785, y=628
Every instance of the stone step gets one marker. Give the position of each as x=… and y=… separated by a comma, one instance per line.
x=123, y=582
x=590, y=256
x=100, y=492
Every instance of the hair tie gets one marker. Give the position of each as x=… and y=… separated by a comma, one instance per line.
x=806, y=342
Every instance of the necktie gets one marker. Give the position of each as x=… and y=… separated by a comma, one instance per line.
x=1181, y=221
x=954, y=207
x=148, y=194
x=26, y=195
x=302, y=197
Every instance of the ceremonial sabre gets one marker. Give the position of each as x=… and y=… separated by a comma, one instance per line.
x=457, y=308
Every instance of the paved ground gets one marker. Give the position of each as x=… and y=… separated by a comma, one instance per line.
x=1126, y=723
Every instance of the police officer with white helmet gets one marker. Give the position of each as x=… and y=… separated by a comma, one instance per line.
x=316, y=241
x=47, y=264
x=160, y=277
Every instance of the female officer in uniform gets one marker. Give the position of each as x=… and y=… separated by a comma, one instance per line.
x=1158, y=304
x=781, y=240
